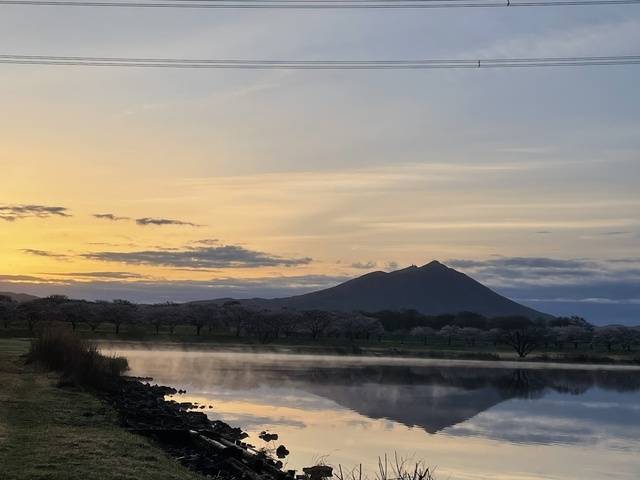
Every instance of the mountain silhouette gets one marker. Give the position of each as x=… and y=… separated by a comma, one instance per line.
x=19, y=297
x=431, y=289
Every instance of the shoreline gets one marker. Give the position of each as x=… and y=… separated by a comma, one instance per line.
x=565, y=361
x=126, y=428
x=67, y=432
x=208, y=447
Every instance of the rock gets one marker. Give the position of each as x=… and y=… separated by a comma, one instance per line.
x=148, y=410
x=282, y=451
x=267, y=437
x=318, y=472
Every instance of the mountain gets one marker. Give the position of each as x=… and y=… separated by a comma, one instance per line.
x=431, y=289
x=19, y=297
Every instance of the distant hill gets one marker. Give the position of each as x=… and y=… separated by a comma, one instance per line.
x=19, y=297
x=431, y=289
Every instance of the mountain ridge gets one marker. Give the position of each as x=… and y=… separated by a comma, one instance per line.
x=19, y=297
x=431, y=289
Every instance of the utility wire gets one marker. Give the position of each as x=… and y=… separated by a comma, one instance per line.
x=418, y=64
x=316, y=4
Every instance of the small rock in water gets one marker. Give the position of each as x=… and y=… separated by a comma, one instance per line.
x=282, y=451
x=318, y=472
x=267, y=437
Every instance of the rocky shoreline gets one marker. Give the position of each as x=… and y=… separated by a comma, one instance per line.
x=210, y=447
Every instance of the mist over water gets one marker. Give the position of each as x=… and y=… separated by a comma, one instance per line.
x=471, y=420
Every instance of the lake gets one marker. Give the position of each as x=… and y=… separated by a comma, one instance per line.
x=469, y=420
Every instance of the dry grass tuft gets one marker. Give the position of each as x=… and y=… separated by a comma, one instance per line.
x=399, y=469
x=78, y=361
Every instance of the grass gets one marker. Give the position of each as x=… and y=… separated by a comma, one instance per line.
x=397, y=468
x=79, y=361
x=48, y=432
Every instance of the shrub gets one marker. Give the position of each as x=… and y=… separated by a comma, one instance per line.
x=79, y=362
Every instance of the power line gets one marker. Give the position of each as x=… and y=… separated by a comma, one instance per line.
x=419, y=64
x=316, y=4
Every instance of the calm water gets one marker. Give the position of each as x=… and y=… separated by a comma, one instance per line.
x=471, y=420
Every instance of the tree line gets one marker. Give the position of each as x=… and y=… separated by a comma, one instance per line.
x=520, y=333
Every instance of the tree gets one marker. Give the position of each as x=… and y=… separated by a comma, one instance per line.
x=172, y=317
x=423, y=332
x=570, y=321
x=32, y=312
x=494, y=335
x=608, y=336
x=628, y=337
x=75, y=313
x=121, y=312
x=169, y=314
x=521, y=333
x=316, y=322
x=234, y=315
x=196, y=316
x=101, y=312
x=357, y=325
x=449, y=332
x=470, y=335
x=8, y=308
x=573, y=334
x=262, y=324
x=470, y=319
x=291, y=322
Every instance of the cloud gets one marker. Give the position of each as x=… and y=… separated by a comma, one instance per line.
x=208, y=241
x=520, y=262
x=616, y=233
x=223, y=256
x=44, y=253
x=564, y=286
x=103, y=275
x=19, y=278
x=12, y=213
x=392, y=265
x=110, y=216
x=163, y=221
x=364, y=265
x=144, y=221
x=282, y=282
x=180, y=290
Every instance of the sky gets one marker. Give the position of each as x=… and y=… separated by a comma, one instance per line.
x=159, y=184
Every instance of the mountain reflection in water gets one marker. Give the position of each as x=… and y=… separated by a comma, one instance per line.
x=352, y=407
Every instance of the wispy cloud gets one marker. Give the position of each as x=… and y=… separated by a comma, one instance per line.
x=524, y=262
x=562, y=286
x=99, y=275
x=11, y=213
x=44, y=253
x=110, y=216
x=178, y=290
x=163, y=221
x=364, y=265
x=144, y=221
x=19, y=278
x=207, y=241
x=223, y=256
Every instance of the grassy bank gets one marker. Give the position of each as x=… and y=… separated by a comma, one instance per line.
x=387, y=345
x=48, y=432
